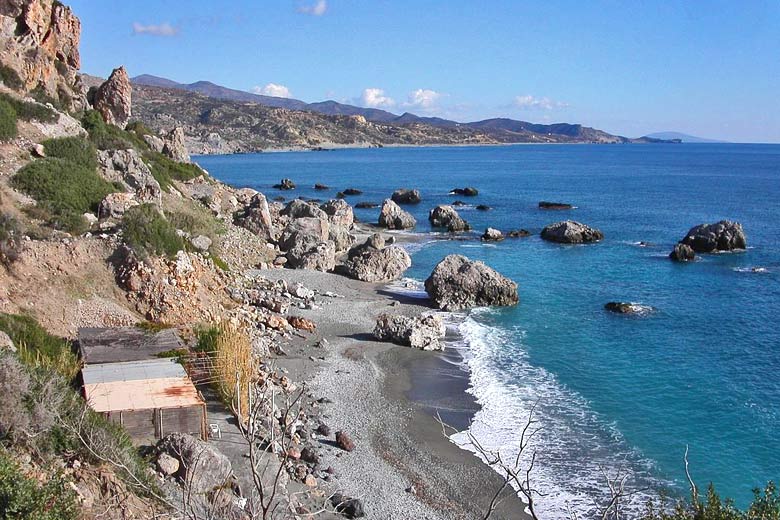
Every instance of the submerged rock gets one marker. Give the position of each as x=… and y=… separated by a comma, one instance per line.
x=352, y=191
x=392, y=216
x=627, y=308
x=466, y=192
x=721, y=236
x=554, y=205
x=571, y=232
x=682, y=253
x=366, y=205
x=446, y=216
x=417, y=332
x=286, y=184
x=321, y=187
x=519, y=233
x=404, y=196
x=458, y=283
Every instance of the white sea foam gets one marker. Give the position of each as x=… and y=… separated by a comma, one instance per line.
x=755, y=269
x=573, y=446
x=408, y=287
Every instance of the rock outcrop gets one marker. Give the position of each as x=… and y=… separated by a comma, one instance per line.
x=201, y=465
x=554, y=205
x=298, y=208
x=458, y=283
x=391, y=216
x=339, y=212
x=492, y=235
x=127, y=168
x=405, y=196
x=466, y=192
x=373, y=262
x=721, y=236
x=39, y=50
x=421, y=332
x=627, y=308
x=305, y=241
x=682, y=253
x=115, y=205
x=256, y=217
x=571, y=232
x=173, y=145
x=113, y=98
x=445, y=216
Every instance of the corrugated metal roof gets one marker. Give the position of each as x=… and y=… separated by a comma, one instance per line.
x=117, y=344
x=132, y=371
x=142, y=394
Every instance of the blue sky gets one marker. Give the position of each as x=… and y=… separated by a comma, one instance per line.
x=706, y=68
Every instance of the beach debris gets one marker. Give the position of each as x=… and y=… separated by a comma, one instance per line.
x=417, y=332
x=721, y=236
x=492, y=235
x=682, y=253
x=554, y=205
x=344, y=442
x=466, y=192
x=347, y=506
x=371, y=261
x=405, y=196
x=285, y=184
x=571, y=232
x=391, y=216
x=459, y=283
x=445, y=216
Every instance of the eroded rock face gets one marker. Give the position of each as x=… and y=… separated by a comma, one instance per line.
x=201, y=465
x=39, y=43
x=115, y=205
x=445, y=216
x=458, y=283
x=571, y=232
x=256, y=217
x=306, y=243
x=682, y=253
x=373, y=262
x=339, y=212
x=173, y=145
x=126, y=167
x=341, y=237
x=721, y=236
x=420, y=332
x=298, y=208
x=113, y=98
x=391, y=216
x=405, y=196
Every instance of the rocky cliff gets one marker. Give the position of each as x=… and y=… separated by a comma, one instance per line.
x=39, y=50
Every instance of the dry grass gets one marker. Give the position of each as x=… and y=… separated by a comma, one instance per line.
x=233, y=366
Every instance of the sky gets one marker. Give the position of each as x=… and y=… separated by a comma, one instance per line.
x=708, y=68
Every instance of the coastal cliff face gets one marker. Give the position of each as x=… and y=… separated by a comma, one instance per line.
x=39, y=50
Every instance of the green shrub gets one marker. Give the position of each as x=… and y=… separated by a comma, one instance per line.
x=207, y=338
x=27, y=111
x=139, y=129
x=64, y=190
x=110, y=137
x=37, y=348
x=220, y=263
x=74, y=149
x=9, y=77
x=24, y=498
x=765, y=506
x=147, y=232
x=10, y=239
x=40, y=95
x=166, y=170
x=7, y=121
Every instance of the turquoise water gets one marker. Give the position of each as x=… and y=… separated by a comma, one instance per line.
x=702, y=370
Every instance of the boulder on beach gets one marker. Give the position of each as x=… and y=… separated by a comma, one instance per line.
x=571, y=232
x=721, y=236
x=298, y=208
x=459, y=283
x=466, y=192
x=341, y=237
x=404, y=196
x=201, y=465
x=392, y=216
x=682, y=253
x=286, y=184
x=554, y=205
x=373, y=262
x=306, y=243
x=417, y=332
x=492, y=235
x=339, y=212
x=445, y=216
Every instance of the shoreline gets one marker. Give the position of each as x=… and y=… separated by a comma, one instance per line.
x=384, y=397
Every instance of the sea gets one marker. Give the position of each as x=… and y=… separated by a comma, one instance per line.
x=611, y=397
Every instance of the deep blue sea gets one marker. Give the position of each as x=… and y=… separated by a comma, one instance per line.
x=611, y=391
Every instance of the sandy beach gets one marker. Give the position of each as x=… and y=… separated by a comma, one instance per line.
x=384, y=396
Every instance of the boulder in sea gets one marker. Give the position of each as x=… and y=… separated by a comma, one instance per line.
x=466, y=192
x=682, y=253
x=113, y=98
x=458, y=203
x=554, y=205
x=492, y=235
x=352, y=191
x=721, y=236
x=321, y=187
x=286, y=184
x=366, y=205
x=298, y=208
x=519, y=233
x=417, y=332
x=571, y=232
x=459, y=283
x=627, y=308
x=339, y=213
x=446, y=216
x=391, y=216
x=373, y=262
x=483, y=207
x=404, y=196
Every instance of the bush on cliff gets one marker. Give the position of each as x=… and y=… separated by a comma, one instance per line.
x=74, y=149
x=765, y=506
x=147, y=232
x=25, y=498
x=39, y=349
x=7, y=121
x=10, y=239
x=109, y=137
x=64, y=191
x=27, y=111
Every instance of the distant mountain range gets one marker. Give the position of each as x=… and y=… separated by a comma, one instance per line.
x=683, y=138
x=501, y=130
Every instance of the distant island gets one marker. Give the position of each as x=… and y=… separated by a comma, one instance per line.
x=682, y=138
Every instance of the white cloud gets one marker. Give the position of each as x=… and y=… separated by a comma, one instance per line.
x=163, y=29
x=272, y=89
x=318, y=8
x=529, y=102
x=423, y=98
x=376, y=98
